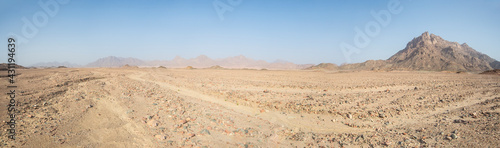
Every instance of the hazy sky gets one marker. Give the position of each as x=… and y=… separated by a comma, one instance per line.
x=300, y=31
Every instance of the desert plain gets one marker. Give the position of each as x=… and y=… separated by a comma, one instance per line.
x=159, y=107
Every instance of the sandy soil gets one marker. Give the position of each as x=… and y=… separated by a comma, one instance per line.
x=157, y=107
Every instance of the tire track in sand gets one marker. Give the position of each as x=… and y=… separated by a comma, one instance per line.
x=306, y=125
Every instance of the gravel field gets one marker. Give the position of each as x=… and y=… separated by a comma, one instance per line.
x=158, y=107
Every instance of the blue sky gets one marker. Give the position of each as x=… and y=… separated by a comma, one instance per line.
x=300, y=31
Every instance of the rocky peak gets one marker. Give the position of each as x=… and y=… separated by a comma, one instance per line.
x=425, y=39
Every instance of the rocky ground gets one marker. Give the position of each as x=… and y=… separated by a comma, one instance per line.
x=158, y=107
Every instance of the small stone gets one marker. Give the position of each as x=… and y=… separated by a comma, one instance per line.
x=423, y=141
x=205, y=131
x=387, y=143
x=349, y=116
x=182, y=121
x=454, y=136
x=381, y=115
x=153, y=123
x=474, y=115
x=160, y=137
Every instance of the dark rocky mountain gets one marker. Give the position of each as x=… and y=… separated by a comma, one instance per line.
x=5, y=67
x=429, y=52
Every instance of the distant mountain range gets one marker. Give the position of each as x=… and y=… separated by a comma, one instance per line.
x=113, y=61
x=427, y=52
x=201, y=61
x=55, y=64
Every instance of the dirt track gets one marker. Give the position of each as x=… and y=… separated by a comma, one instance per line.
x=154, y=107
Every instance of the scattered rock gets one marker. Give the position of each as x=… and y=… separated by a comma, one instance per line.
x=160, y=137
x=182, y=121
x=387, y=143
x=460, y=121
x=381, y=115
x=205, y=131
x=153, y=123
x=474, y=115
